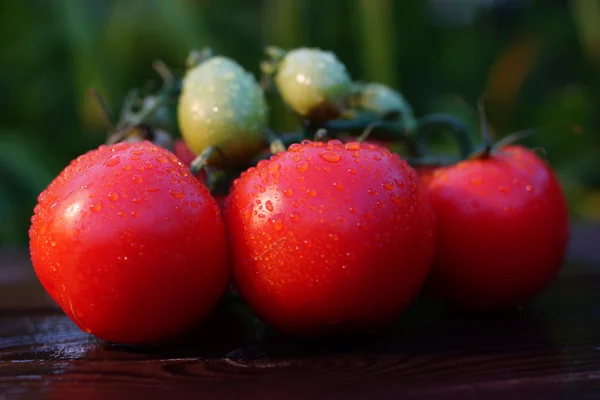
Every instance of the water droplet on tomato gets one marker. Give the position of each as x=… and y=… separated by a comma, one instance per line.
x=338, y=185
x=352, y=146
x=311, y=192
x=333, y=236
x=137, y=151
x=178, y=194
x=248, y=211
x=529, y=188
x=352, y=171
x=302, y=166
x=295, y=147
x=137, y=179
x=137, y=200
x=112, y=196
x=294, y=216
x=503, y=189
x=269, y=205
x=395, y=197
x=161, y=159
x=399, y=183
x=288, y=192
x=330, y=156
x=126, y=167
x=274, y=167
x=372, y=192
x=387, y=185
x=112, y=161
x=97, y=207
x=277, y=221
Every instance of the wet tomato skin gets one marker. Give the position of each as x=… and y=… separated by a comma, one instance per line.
x=502, y=229
x=329, y=238
x=130, y=245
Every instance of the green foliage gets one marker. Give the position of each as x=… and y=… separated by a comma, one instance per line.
x=538, y=65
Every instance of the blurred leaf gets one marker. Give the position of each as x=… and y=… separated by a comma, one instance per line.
x=587, y=15
x=375, y=36
x=19, y=160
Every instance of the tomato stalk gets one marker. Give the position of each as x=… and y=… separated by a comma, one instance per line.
x=486, y=134
x=276, y=145
x=436, y=122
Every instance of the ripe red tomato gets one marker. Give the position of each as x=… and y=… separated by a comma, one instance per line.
x=328, y=237
x=502, y=229
x=130, y=245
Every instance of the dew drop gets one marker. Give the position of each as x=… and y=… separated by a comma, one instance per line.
x=395, y=197
x=288, y=192
x=137, y=200
x=137, y=152
x=161, y=159
x=112, y=196
x=352, y=146
x=294, y=216
x=178, y=194
x=277, y=222
x=330, y=156
x=529, y=188
x=97, y=207
x=137, y=179
x=338, y=185
x=126, y=167
x=372, y=192
x=302, y=166
x=352, y=171
x=399, y=183
x=248, y=211
x=295, y=147
x=333, y=236
x=269, y=205
x=311, y=192
x=274, y=167
x=387, y=185
x=112, y=161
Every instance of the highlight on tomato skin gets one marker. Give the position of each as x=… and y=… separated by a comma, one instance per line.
x=130, y=245
x=502, y=229
x=330, y=238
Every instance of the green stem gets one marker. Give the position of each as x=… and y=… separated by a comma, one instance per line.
x=435, y=122
x=486, y=134
x=275, y=143
x=372, y=126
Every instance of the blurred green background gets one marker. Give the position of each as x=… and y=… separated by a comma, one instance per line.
x=537, y=62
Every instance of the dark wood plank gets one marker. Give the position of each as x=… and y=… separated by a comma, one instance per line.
x=550, y=350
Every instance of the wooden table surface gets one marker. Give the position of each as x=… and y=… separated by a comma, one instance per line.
x=550, y=350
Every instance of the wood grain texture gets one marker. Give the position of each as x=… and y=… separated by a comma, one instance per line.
x=549, y=349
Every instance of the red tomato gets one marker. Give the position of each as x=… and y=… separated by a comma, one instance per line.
x=130, y=245
x=328, y=237
x=502, y=229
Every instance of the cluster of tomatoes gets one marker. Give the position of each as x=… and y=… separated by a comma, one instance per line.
x=321, y=232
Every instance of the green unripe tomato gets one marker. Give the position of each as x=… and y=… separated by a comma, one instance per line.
x=382, y=100
x=222, y=105
x=313, y=82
